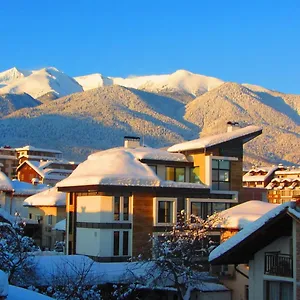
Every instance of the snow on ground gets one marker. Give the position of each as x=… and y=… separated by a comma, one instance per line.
x=41, y=82
x=212, y=140
x=49, y=197
x=17, y=293
x=247, y=231
x=243, y=214
x=120, y=166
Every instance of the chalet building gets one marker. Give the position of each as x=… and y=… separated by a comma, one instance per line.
x=48, y=208
x=14, y=192
x=47, y=172
x=8, y=161
x=37, y=154
x=117, y=197
x=271, y=247
x=285, y=186
x=233, y=220
x=260, y=177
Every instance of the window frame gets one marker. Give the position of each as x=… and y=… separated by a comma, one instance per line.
x=174, y=172
x=219, y=182
x=173, y=214
x=121, y=235
x=122, y=213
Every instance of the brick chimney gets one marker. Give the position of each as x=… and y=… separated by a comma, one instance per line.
x=231, y=126
x=131, y=142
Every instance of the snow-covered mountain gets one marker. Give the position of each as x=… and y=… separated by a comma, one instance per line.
x=38, y=83
x=99, y=118
x=181, y=80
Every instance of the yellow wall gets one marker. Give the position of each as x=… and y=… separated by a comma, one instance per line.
x=199, y=161
x=58, y=214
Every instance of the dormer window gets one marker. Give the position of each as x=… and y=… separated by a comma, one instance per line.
x=175, y=174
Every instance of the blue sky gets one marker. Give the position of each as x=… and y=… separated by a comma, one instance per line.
x=244, y=41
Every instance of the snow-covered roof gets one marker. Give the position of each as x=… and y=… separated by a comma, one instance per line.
x=61, y=225
x=43, y=168
x=283, y=183
x=49, y=197
x=32, y=148
x=214, y=140
x=246, y=232
x=251, y=175
x=5, y=183
x=241, y=215
x=289, y=171
x=26, y=189
x=121, y=167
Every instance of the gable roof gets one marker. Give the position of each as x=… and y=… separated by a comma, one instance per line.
x=5, y=183
x=251, y=175
x=241, y=247
x=244, y=134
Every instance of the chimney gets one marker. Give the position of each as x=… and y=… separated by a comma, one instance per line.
x=131, y=142
x=231, y=126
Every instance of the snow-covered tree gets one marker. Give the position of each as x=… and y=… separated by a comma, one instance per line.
x=178, y=254
x=15, y=252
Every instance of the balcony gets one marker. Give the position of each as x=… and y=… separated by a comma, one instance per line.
x=278, y=264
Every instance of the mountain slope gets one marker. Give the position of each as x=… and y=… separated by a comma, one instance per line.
x=280, y=122
x=96, y=119
x=10, y=103
x=41, y=82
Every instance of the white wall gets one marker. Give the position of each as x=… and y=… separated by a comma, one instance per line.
x=256, y=271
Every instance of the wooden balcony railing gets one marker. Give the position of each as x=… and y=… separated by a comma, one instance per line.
x=278, y=264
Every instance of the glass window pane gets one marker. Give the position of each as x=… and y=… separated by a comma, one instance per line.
x=195, y=175
x=116, y=208
x=217, y=207
x=126, y=208
x=165, y=211
x=224, y=186
x=224, y=164
x=170, y=173
x=116, y=242
x=154, y=168
x=215, y=164
x=180, y=174
x=215, y=186
x=125, y=242
x=196, y=209
x=215, y=175
x=223, y=175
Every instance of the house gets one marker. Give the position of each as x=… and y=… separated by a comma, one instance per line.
x=117, y=197
x=260, y=177
x=37, y=154
x=285, y=186
x=14, y=192
x=47, y=207
x=234, y=219
x=8, y=161
x=47, y=172
x=271, y=247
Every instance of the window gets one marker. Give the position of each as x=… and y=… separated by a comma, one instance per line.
x=70, y=222
x=50, y=217
x=205, y=209
x=175, y=174
x=116, y=242
x=154, y=168
x=117, y=203
x=121, y=208
x=125, y=242
x=279, y=290
x=220, y=174
x=121, y=242
x=195, y=175
x=165, y=211
x=30, y=215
